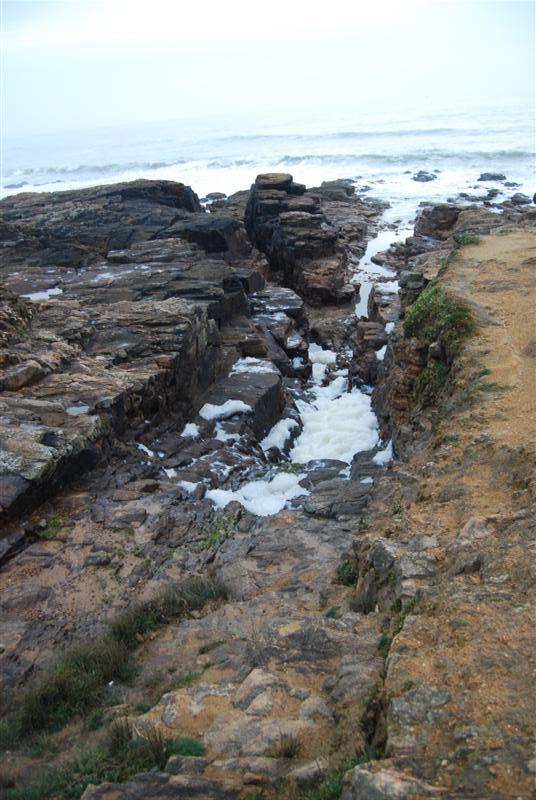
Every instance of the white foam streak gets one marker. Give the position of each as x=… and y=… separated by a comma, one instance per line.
x=228, y=409
x=262, y=497
x=279, y=434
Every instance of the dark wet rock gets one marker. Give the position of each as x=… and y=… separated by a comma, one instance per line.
x=262, y=392
x=424, y=177
x=321, y=471
x=69, y=228
x=298, y=240
x=215, y=234
x=492, y=176
x=212, y=196
x=437, y=221
x=338, y=190
x=519, y=199
x=337, y=499
x=15, y=313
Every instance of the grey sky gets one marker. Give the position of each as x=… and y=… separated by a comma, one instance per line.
x=84, y=64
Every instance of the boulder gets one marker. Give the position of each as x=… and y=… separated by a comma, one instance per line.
x=437, y=221
x=371, y=782
x=424, y=177
x=520, y=199
x=289, y=226
x=492, y=176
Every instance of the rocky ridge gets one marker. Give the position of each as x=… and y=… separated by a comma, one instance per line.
x=296, y=656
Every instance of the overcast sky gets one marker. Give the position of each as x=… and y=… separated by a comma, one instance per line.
x=81, y=64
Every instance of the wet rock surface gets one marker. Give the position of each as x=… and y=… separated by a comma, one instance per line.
x=302, y=237
x=152, y=379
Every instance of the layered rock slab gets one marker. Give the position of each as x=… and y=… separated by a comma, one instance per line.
x=302, y=237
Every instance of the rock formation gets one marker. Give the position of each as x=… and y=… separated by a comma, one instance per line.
x=370, y=638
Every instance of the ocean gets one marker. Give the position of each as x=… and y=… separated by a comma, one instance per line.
x=377, y=150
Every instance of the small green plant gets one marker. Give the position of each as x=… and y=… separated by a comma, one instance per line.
x=468, y=238
x=443, y=267
x=118, y=735
x=346, y=573
x=214, y=536
x=185, y=746
x=430, y=382
x=384, y=644
x=43, y=746
x=332, y=613
x=330, y=787
x=216, y=533
x=290, y=467
x=142, y=708
x=53, y=527
x=408, y=609
x=452, y=437
x=184, y=680
x=437, y=317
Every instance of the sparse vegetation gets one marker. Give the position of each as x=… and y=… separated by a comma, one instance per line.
x=430, y=382
x=468, y=238
x=53, y=527
x=437, y=318
x=346, y=573
x=43, y=746
x=288, y=746
x=184, y=680
x=332, y=613
x=384, y=644
x=77, y=681
x=291, y=467
x=185, y=746
x=330, y=787
x=115, y=759
x=216, y=533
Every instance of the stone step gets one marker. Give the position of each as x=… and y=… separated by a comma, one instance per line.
x=160, y=785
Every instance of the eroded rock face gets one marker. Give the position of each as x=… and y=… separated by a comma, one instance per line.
x=301, y=238
x=436, y=221
x=110, y=336
x=385, y=783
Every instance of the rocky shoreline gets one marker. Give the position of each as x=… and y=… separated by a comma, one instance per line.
x=130, y=318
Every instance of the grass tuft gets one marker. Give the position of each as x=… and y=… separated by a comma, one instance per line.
x=185, y=746
x=115, y=760
x=78, y=680
x=330, y=787
x=288, y=746
x=53, y=527
x=346, y=573
x=435, y=317
x=468, y=238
